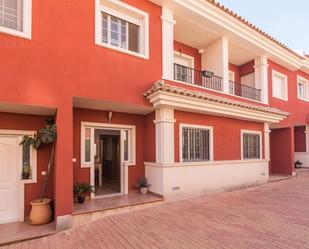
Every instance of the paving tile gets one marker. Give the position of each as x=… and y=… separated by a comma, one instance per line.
x=271, y=216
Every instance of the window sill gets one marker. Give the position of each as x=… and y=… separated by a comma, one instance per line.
x=303, y=99
x=143, y=56
x=15, y=33
x=283, y=99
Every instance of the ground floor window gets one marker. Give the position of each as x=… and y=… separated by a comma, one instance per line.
x=251, y=145
x=196, y=143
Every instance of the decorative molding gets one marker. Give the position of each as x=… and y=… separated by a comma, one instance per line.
x=162, y=94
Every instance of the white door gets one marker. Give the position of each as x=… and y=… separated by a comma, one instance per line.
x=9, y=186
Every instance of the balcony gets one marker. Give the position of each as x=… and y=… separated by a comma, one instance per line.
x=244, y=91
x=195, y=77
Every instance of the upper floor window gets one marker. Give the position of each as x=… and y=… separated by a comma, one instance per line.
x=251, y=145
x=280, y=86
x=302, y=88
x=15, y=17
x=122, y=27
x=196, y=145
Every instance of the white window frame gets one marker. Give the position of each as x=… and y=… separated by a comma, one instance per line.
x=305, y=82
x=128, y=13
x=27, y=22
x=259, y=133
x=285, y=78
x=211, y=149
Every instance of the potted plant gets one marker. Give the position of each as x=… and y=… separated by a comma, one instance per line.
x=26, y=172
x=298, y=164
x=40, y=209
x=143, y=185
x=81, y=189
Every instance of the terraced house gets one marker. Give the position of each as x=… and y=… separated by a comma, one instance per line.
x=184, y=92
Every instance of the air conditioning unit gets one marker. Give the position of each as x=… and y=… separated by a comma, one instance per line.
x=207, y=73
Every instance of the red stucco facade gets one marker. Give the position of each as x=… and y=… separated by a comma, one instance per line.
x=61, y=63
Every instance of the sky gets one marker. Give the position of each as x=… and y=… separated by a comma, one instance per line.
x=285, y=20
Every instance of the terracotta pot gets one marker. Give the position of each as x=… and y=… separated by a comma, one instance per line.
x=144, y=190
x=41, y=212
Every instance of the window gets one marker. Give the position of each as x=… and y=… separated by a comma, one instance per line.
x=251, y=145
x=122, y=27
x=183, y=68
x=15, y=17
x=87, y=150
x=26, y=162
x=280, y=86
x=196, y=144
x=126, y=145
x=302, y=88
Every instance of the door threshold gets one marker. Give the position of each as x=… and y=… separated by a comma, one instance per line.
x=107, y=195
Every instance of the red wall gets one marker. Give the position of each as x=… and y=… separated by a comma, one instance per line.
x=226, y=133
x=282, y=151
x=31, y=123
x=61, y=61
x=246, y=68
x=184, y=49
x=142, y=144
x=298, y=109
x=300, y=139
x=235, y=69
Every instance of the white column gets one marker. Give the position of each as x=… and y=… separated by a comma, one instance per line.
x=266, y=141
x=307, y=138
x=164, y=135
x=261, y=77
x=167, y=42
x=215, y=58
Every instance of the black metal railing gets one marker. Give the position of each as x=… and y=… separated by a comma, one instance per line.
x=244, y=91
x=197, y=78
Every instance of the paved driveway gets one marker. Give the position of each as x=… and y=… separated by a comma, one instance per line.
x=274, y=215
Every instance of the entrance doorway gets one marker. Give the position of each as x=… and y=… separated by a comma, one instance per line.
x=107, y=173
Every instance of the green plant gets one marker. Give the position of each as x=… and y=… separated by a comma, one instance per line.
x=83, y=188
x=47, y=135
x=298, y=164
x=142, y=182
x=26, y=169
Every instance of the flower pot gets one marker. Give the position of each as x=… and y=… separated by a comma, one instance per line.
x=144, y=190
x=25, y=176
x=81, y=199
x=41, y=212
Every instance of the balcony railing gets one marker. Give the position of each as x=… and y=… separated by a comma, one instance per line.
x=195, y=77
x=244, y=91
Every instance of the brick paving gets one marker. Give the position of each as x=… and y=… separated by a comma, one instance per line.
x=274, y=215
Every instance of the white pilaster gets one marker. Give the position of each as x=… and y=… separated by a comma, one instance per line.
x=164, y=135
x=215, y=58
x=266, y=141
x=307, y=138
x=261, y=77
x=168, y=22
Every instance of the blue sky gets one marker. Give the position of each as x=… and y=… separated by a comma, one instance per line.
x=287, y=21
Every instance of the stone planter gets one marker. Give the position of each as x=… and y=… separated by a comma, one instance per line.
x=41, y=212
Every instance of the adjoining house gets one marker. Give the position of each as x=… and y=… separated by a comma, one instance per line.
x=183, y=92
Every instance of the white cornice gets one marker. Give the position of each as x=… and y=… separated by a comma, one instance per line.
x=165, y=95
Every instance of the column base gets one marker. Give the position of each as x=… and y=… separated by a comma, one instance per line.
x=63, y=222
